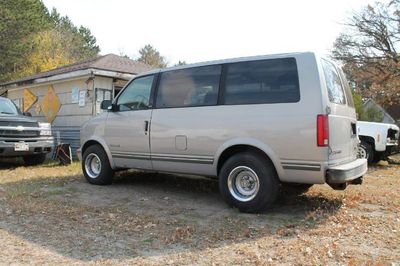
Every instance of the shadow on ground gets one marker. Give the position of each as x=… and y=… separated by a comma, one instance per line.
x=144, y=215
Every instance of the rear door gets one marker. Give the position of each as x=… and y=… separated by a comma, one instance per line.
x=342, y=117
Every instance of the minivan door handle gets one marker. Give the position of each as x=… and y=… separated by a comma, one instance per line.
x=146, y=127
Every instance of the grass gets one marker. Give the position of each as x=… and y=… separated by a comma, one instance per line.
x=50, y=215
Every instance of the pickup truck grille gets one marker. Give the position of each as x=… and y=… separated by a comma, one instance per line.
x=392, y=134
x=18, y=123
x=10, y=133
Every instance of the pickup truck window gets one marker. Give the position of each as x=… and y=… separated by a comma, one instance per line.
x=7, y=107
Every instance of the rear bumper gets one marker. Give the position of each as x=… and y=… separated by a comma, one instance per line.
x=346, y=172
x=36, y=146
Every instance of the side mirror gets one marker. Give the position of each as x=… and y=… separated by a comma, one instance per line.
x=27, y=114
x=105, y=105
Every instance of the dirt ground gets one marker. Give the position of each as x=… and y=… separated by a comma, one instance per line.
x=51, y=215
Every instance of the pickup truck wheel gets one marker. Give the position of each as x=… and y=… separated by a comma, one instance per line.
x=365, y=151
x=248, y=182
x=96, y=167
x=34, y=159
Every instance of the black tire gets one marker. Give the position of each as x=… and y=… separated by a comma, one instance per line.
x=295, y=188
x=268, y=182
x=367, y=147
x=103, y=174
x=34, y=159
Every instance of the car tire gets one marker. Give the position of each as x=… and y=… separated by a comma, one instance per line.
x=34, y=159
x=366, y=151
x=96, y=166
x=248, y=182
x=295, y=188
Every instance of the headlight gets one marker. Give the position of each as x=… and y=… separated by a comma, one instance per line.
x=45, y=129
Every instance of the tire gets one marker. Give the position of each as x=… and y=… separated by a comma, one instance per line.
x=96, y=166
x=34, y=159
x=259, y=187
x=295, y=188
x=366, y=151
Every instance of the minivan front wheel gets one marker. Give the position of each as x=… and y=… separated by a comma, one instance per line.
x=248, y=182
x=96, y=167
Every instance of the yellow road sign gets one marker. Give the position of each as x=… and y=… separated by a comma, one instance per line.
x=29, y=99
x=51, y=104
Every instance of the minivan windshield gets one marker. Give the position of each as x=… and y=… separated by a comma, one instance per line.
x=7, y=107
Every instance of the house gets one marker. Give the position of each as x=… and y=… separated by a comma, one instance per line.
x=68, y=96
x=391, y=115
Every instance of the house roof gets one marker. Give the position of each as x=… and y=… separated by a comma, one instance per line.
x=109, y=62
x=393, y=111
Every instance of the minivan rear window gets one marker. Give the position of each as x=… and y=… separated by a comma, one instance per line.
x=333, y=83
x=347, y=89
x=262, y=81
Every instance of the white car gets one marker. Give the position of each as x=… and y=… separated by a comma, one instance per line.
x=378, y=140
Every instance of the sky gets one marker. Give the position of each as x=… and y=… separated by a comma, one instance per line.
x=196, y=31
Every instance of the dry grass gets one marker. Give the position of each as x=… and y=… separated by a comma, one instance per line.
x=50, y=215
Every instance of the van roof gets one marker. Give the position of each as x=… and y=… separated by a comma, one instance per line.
x=224, y=61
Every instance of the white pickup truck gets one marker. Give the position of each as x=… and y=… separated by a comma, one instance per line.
x=378, y=140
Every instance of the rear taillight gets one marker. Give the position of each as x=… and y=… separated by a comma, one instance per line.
x=322, y=131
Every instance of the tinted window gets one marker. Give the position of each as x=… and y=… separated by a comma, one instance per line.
x=333, y=83
x=136, y=95
x=347, y=89
x=189, y=87
x=264, y=81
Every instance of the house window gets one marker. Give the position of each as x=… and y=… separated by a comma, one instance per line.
x=101, y=95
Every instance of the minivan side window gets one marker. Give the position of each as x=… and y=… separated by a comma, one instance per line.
x=262, y=81
x=347, y=89
x=136, y=95
x=333, y=83
x=196, y=86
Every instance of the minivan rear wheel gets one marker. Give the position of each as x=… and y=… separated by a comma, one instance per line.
x=248, y=182
x=96, y=167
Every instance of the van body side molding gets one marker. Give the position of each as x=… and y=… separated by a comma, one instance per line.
x=165, y=157
x=301, y=166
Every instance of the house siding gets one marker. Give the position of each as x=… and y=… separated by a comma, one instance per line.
x=71, y=116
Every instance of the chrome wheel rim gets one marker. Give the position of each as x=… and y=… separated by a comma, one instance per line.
x=93, y=165
x=243, y=183
x=362, y=153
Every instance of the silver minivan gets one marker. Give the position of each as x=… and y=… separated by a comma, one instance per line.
x=257, y=124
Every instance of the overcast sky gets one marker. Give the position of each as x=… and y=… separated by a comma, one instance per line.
x=195, y=31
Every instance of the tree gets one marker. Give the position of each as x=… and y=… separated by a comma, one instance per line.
x=152, y=57
x=19, y=20
x=181, y=63
x=79, y=41
x=33, y=40
x=371, y=114
x=49, y=51
x=368, y=49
